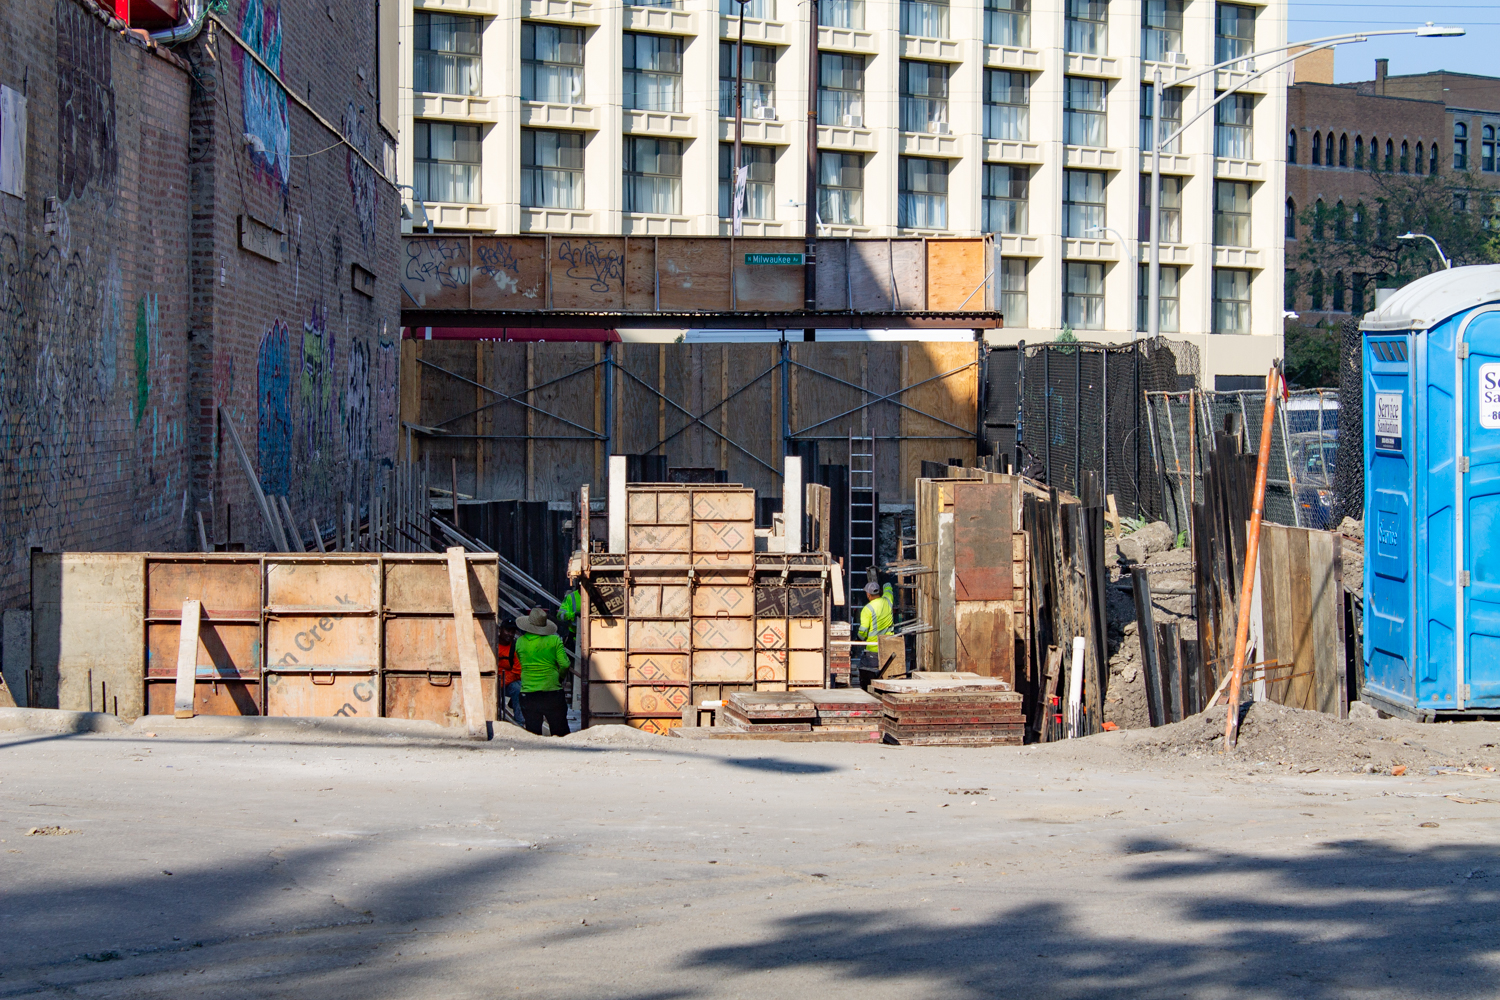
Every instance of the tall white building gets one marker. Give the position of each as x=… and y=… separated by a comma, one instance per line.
x=1024, y=118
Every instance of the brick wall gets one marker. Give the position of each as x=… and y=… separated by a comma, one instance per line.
x=1316, y=111
x=131, y=314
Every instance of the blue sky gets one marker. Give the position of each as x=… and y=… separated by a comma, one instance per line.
x=1473, y=53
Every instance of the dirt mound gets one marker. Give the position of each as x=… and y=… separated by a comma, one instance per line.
x=1272, y=734
x=619, y=736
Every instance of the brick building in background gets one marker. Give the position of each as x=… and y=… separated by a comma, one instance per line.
x=1340, y=135
x=179, y=233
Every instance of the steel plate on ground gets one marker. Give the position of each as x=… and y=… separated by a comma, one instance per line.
x=322, y=642
x=210, y=697
x=435, y=697
x=230, y=650
x=666, y=636
x=659, y=668
x=419, y=585
x=321, y=695
x=226, y=588
x=429, y=644
x=344, y=584
x=723, y=633
x=723, y=665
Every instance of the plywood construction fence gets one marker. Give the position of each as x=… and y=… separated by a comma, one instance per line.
x=651, y=275
x=1300, y=619
x=534, y=421
x=690, y=612
x=342, y=634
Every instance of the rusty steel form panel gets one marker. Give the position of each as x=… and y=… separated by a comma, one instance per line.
x=434, y=697
x=982, y=558
x=227, y=678
x=322, y=637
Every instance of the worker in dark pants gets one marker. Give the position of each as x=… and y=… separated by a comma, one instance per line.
x=544, y=663
x=510, y=673
x=876, y=618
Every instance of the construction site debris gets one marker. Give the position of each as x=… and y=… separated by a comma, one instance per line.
x=1147, y=540
x=954, y=708
x=770, y=711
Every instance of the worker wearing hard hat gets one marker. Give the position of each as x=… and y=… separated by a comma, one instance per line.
x=544, y=662
x=876, y=618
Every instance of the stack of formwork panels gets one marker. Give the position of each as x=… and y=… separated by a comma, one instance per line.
x=950, y=708
x=691, y=613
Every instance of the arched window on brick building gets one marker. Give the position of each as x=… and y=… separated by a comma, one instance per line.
x=1317, y=149
x=1344, y=150
x=1290, y=230
x=1405, y=157
x=1328, y=150
x=1359, y=152
x=1421, y=161
x=1291, y=146
x=1390, y=156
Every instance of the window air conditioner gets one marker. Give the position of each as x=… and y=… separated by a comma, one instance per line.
x=765, y=113
x=1177, y=58
x=853, y=121
x=941, y=128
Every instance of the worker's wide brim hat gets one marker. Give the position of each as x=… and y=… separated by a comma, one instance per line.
x=536, y=623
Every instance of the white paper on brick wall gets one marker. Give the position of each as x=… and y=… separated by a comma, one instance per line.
x=12, y=142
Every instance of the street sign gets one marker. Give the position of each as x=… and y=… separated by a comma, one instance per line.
x=774, y=258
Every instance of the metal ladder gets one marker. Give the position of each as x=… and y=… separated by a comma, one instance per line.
x=862, y=518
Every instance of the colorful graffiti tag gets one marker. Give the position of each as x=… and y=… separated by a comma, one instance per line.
x=273, y=396
x=363, y=185
x=265, y=110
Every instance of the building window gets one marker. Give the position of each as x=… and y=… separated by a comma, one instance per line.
x=1171, y=117
x=1314, y=292
x=841, y=90
x=923, y=201
x=1328, y=150
x=1460, y=146
x=1289, y=280
x=1231, y=301
x=675, y=4
x=1161, y=30
x=446, y=162
x=1390, y=156
x=1405, y=157
x=760, y=181
x=551, y=169
x=928, y=18
x=1374, y=153
x=653, y=176
x=1083, y=111
x=1291, y=146
x=1233, y=132
x=551, y=64
x=1320, y=213
x=1170, y=207
x=924, y=96
x=841, y=189
x=1338, y=292
x=653, y=72
x=1005, y=193
x=763, y=9
x=1234, y=35
x=1289, y=223
x=1359, y=152
x=1168, y=298
x=1007, y=22
x=1357, y=293
x=1344, y=150
x=445, y=56
x=1486, y=149
x=1083, y=203
x=1088, y=27
x=1013, y=292
x=1231, y=213
x=1083, y=296
x=758, y=80
x=1317, y=149
x=1357, y=222
x=1421, y=162
x=1432, y=159
x=841, y=13
x=1340, y=222
x=1006, y=101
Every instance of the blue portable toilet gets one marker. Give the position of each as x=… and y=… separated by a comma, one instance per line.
x=1432, y=497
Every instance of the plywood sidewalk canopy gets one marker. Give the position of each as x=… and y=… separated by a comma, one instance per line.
x=571, y=281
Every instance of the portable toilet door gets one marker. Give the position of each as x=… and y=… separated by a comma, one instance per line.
x=1432, y=496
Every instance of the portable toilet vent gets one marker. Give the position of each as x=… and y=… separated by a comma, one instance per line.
x=1432, y=496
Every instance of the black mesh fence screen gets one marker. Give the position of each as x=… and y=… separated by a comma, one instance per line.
x=1349, y=473
x=1083, y=407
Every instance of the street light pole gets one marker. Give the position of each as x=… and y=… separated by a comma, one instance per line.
x=1134, y=259
x=1158, y=142
x=1447, y=264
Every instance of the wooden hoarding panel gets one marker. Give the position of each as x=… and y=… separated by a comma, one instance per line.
x=944, y=403
x=562, y=453
x=509, y=272
x=435, y=271
x=723, y=665
x=982, y=538
x=887, y=275
x=956, y=275
x=986, y=639
x=693, y=274
x=588, y=273
x=833, y=275
x=640, y=274
x=768, y=287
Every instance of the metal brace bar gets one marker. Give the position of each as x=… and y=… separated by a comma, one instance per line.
x=673, y=403
x=593, y=434
x=534, y=388
x=889, y=397
x=699, y=419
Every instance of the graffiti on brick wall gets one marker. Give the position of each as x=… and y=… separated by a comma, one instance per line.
x=158, y=407
x=363, y=185
x=387, y=361
x=86, y=151
x=264, y=101
x=319, y=387
x=147, y=323
x=273, y=397
x=357, y=402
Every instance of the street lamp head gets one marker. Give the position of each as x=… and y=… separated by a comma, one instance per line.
x=1408, y=236
x=1430, y=30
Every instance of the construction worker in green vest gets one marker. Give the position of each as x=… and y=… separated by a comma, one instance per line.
x=876, y=618
x=544, y=663
x=567, y=614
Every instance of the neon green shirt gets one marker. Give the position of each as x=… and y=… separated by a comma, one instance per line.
x=543, y=660
x=876, y=619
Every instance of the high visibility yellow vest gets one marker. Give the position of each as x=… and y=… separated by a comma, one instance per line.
x=876, y=619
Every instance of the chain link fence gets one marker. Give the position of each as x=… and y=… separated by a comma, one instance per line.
x=1306, y=443
x=1057, y=408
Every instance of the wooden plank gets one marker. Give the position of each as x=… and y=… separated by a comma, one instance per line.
x=588, y=273
x=985, y=643
x=1168, y=649
x=1302, y=692
x=982, y=539
x=1276, y=607
x=694, y=274
x=187, y=660
x=468, y=654
x=951, y=398
x=770, y=288
x=1326, y=622
x=956, y=275
x=1140, y=585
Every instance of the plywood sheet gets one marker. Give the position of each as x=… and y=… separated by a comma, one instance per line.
x=90, y=660
x=588, y=273
x=429, y=644
x=210, y=697
x=724, y=505
x=346, y=585
x=421, y=586
x=665, y=636
x=752, y=417
x=770, y=633
x=434, y=697
x=711, y=537
x=806, y=633
x=435, y=271
x=833, y=274
x=723, y=601
x=562, y=453
x=943, y=405
x=323, y=642
x=982, y=537
x=768, y=287
x=805, y=667
x=606, y=633
x=643, y=538
x=723, y=666
x=509, y=272
x=655, y=700
x=606, y=699
x=659, y=668
x=887, y=276
x=693, y=275
x=224, y=649
x=956, y=275
x=606, y=665
x=227, y=588
x=640, y=273
x=985, y=644
x=770, y=665
x=723, y=633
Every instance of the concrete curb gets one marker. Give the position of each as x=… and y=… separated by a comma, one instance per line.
x=52, y=720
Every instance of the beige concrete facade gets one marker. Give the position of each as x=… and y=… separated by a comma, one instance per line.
x=959, y=139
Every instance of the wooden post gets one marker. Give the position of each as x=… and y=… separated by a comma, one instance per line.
x=1145, y=629
x=187, y=659
x=1252, y=552
x=468, y=654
